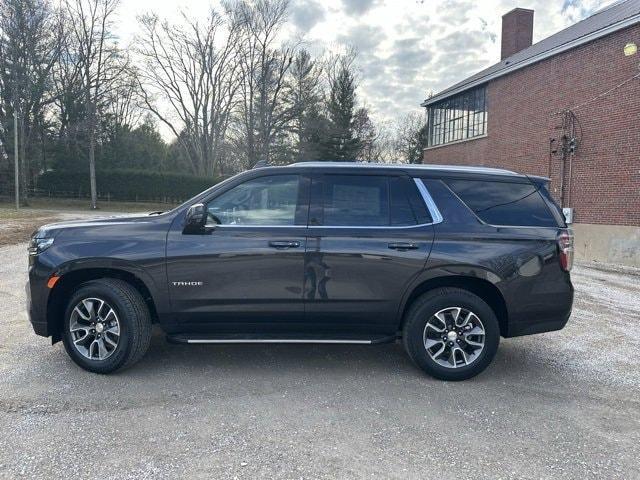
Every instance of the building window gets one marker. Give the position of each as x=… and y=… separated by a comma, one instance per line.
x=458, y=118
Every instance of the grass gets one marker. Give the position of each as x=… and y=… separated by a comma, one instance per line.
x=77, y=204
x=17, y=225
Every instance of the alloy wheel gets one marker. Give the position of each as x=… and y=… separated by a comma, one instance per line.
x=454, y=337
x=95, y=328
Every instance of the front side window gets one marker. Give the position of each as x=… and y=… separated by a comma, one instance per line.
x=368, y=201
x=268, y=200
x=459, y=117
x=504, y=203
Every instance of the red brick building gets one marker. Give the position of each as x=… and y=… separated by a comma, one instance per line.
x=568, y=108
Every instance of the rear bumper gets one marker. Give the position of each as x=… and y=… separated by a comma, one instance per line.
x=541, y=326
x=546, y=319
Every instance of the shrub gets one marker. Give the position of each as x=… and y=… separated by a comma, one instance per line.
x=127, y=185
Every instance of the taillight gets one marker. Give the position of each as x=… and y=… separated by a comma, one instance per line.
x=565, y=248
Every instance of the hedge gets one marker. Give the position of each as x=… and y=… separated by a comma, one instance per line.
x=128, y=185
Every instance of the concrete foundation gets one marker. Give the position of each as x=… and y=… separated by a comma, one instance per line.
x=607, y=243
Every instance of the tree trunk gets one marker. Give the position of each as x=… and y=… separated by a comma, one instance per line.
x=92, y=157
x=92, y=168
x=24, y=164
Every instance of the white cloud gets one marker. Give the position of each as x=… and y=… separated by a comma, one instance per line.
x=407, y=47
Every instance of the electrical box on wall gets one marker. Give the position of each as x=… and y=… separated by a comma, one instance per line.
x=568, y=215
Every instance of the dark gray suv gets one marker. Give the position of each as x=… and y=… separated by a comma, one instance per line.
x=446, y=259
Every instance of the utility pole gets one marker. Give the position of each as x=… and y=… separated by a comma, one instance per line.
x=15, y=150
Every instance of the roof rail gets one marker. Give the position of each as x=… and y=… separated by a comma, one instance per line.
x=413, y=166
x=261, y=164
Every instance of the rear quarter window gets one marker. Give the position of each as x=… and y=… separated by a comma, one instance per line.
x=504, y=203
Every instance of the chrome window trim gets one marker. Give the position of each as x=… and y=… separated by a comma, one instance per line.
x=379, y=227
x=386, y=227
x=436, y=216
x=227, y=225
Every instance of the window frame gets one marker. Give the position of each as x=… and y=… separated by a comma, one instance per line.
x=316, y=208
x=302, y=203
x=458, y=118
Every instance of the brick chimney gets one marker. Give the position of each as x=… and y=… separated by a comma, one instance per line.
x=517, y=31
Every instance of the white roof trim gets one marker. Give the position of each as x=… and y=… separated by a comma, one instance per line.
x=537, y=58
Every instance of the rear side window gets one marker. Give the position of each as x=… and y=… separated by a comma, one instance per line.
x=368, y=201
x=504, y=203
x=351, y=200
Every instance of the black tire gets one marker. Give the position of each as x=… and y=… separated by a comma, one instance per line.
x=133, y=316
x=424, y=307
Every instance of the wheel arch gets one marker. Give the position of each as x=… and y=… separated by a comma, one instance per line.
x=478, y=286
x=69, y=281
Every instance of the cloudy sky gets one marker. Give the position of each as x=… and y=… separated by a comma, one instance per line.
x=406, y=48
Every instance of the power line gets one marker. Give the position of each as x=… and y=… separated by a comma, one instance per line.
x=603, y=94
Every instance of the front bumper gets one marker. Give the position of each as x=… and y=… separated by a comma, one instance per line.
x=37, y=318
x=37, y=297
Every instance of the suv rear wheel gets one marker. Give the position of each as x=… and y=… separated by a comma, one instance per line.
x=107, y=326
x=451, y=333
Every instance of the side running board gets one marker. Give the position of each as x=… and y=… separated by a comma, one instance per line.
x=280, y=338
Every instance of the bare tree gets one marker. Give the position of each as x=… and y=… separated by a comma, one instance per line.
x=99, y=63
x=410, y=137
x=30, y=39
x=69, y=92
x=367, y=134
x=193, y=69
x=264, y=65
x=377, y=144
x=124, y=102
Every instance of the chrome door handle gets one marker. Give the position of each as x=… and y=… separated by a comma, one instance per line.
x=403, y=246
x=284, y=244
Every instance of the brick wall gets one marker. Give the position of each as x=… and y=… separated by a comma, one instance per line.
x=604, y=186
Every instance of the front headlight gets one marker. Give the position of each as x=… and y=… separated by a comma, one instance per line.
x=39, y=245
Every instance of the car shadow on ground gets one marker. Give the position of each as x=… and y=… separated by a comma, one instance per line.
x=179, y=376
x=515, y=362
x=260, y=368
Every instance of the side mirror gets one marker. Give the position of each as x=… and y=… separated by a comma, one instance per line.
x=195, y=219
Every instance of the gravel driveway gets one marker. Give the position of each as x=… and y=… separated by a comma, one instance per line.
x=557, y=405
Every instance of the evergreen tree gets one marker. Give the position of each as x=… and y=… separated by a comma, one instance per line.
x=419, y=144
x=139, y=148
x=342, y=144
x=309, y=125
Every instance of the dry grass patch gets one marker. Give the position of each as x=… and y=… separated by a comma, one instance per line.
x=16, y=227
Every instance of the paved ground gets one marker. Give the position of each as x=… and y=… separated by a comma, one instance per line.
x=558, y=405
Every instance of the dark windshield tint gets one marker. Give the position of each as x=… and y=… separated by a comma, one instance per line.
x=504, y=203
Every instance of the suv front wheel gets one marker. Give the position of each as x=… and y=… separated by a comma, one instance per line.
x=451, y=333
x=107, y=326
